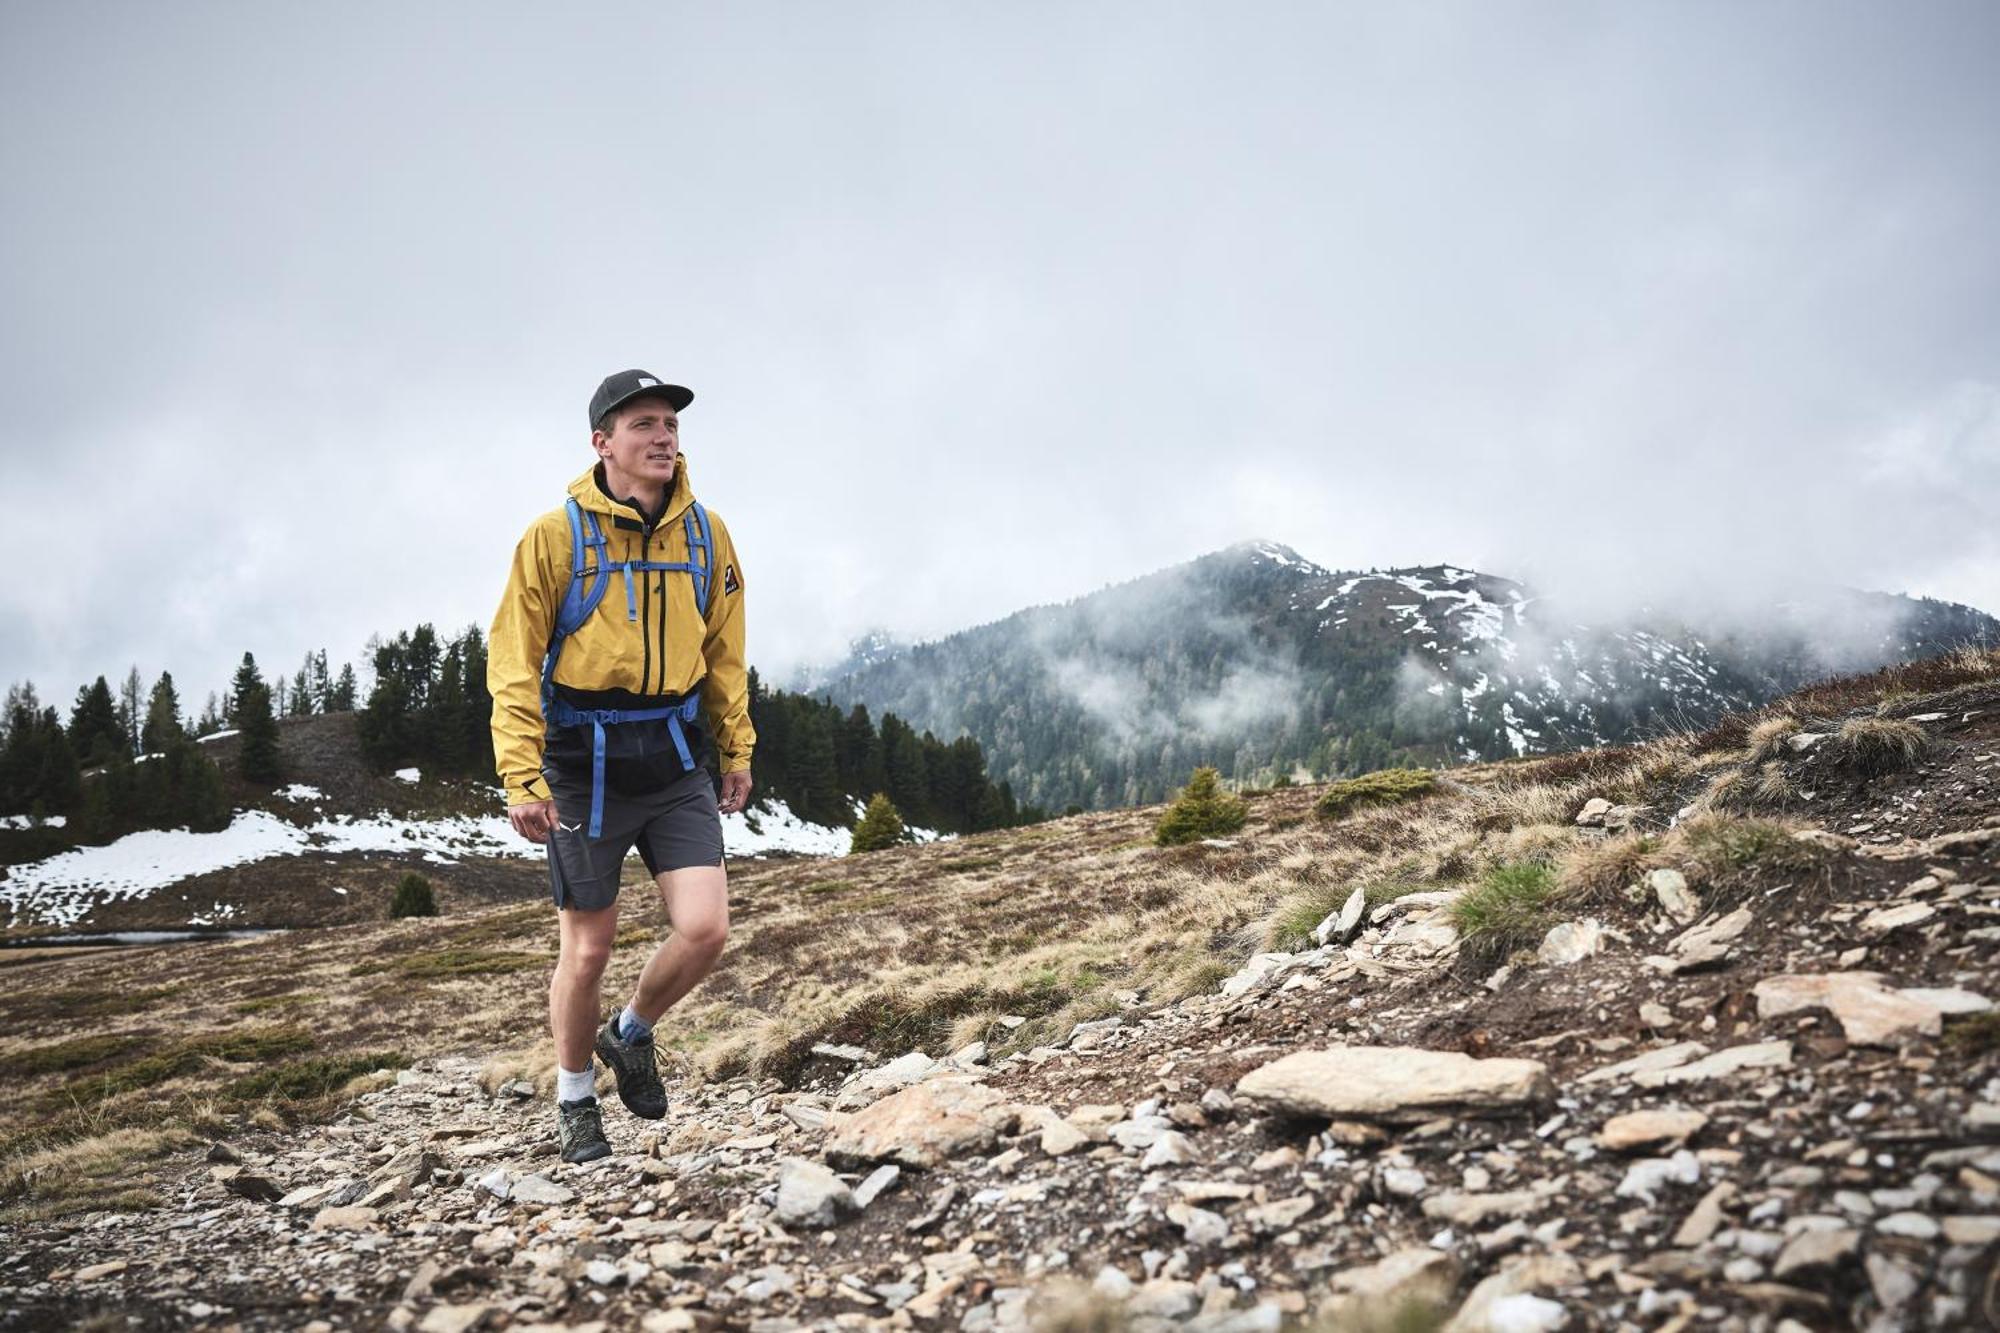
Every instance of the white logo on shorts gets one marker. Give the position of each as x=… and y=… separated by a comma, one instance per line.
x=568, y=828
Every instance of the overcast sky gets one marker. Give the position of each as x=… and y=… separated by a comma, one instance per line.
x=983, y=306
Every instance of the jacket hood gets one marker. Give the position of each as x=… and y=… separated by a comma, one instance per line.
x=591, y=496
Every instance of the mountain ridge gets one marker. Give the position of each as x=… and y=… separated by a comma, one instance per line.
x=1271, y=666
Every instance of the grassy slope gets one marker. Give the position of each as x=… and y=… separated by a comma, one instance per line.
x=122, y=1054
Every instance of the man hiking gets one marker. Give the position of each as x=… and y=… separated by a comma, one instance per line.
x=621, y=626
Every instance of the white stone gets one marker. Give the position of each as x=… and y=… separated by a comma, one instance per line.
x=1570, y=942
x=811, y=1195
x=1670, y=889
x=1646, y=1177
x=539, y=1189
x=1169, y=1149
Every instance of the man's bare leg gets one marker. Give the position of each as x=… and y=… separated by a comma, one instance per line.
x=574, y=1000
x=697, y=901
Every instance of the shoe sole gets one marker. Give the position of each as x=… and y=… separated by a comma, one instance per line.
x=589, y=1154
x=604, y=1051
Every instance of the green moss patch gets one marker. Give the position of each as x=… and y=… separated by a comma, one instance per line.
x=59, y=1057
x=443, y=964
x=191, y=1056
x=1388, y=786
x=310, y=1079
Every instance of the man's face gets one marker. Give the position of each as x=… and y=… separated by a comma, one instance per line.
x=644, y=442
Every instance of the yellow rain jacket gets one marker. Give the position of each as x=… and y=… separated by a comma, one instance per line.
x=612, y=661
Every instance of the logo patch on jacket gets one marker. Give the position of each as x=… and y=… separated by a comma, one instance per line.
x=730, y=583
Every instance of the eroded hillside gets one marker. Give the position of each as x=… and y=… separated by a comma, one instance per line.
x=1691, y=1034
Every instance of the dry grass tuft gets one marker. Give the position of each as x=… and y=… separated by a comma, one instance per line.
x=100, y=1171
x=1877, y=745
x=1718, y=849
x=1766, y=740
x=1595, y=872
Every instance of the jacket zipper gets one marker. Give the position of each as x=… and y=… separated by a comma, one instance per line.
x=646, y=613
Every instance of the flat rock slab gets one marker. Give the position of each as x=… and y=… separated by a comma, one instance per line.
x=1392, y=1082
x=1869, y=1013
x=1647, y=1129
x=920, y=1126
x=1761, y=1055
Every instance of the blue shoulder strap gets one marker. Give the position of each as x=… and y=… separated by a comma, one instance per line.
x=699, y=538
x=588, y=579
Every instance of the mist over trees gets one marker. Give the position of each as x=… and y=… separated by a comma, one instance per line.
x=820, y=760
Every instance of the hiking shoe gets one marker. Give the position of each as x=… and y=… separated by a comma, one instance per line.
x=638, y=1075
x=581, y=1129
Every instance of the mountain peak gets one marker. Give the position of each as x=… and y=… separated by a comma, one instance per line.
x=1264, y=551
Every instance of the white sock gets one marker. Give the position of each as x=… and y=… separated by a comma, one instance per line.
x=574, y=1086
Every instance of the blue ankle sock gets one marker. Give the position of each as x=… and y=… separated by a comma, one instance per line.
x=631, y=1027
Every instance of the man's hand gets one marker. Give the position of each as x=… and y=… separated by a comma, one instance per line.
x=735, y=792
x=533, y=820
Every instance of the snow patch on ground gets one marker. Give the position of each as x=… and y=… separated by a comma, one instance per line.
x=215, y=735
x=63, y=889
x=299, y=791
x=29, y=821
x=409, y=775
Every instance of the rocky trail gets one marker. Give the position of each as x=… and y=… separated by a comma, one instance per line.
x=1759, y=1098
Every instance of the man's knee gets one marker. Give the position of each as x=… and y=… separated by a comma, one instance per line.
x=705, y=934
x=584, y=957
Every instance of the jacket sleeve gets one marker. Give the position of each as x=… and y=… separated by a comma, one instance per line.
x=725, y=690
x=515, y=650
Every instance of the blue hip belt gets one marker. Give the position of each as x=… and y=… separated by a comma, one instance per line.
x=676, y=717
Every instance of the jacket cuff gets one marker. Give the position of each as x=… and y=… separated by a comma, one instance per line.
x=527, y=790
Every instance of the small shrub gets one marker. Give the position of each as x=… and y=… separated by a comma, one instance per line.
x=1388, y=786
x=1509, y=908
x=1876, y=745
x=413, y=897
x=1201, y=810
x=879, y=826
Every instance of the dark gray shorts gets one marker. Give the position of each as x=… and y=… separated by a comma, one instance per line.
x=674, y=826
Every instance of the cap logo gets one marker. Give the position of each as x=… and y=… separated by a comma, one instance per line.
x=647, y=382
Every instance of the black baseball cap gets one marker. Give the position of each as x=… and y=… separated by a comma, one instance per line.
x=622, y=388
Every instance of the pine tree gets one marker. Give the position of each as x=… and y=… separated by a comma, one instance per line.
x=1202, y=810
x=38, y=769
x=163, y=717
x=212, y=717
x=94, y=731
x=344, y=690
x=879, y=826
x=129, y=717
x=258, y=759
x=321, y=683
x=302, y=700
x=248, y=678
